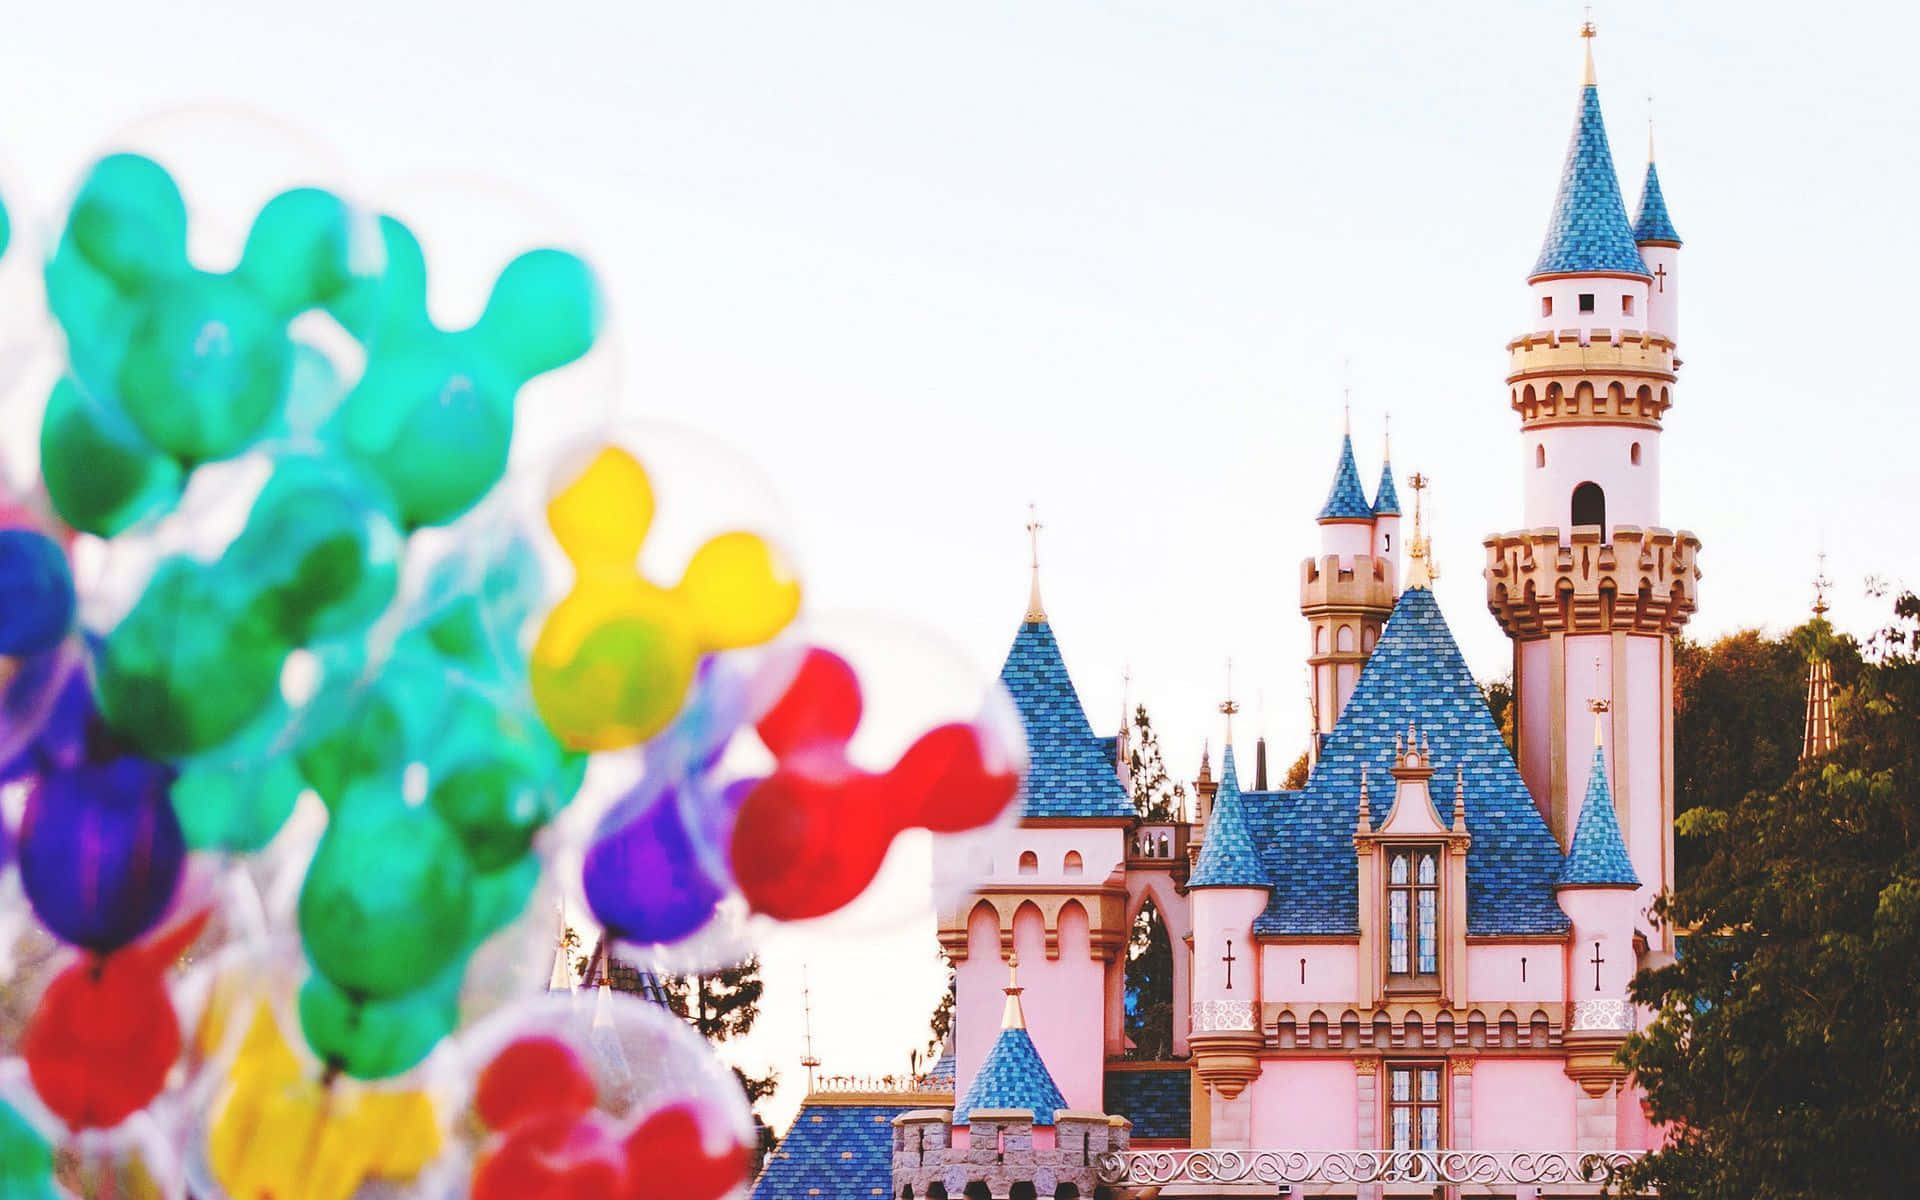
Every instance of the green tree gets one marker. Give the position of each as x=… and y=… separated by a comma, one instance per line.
x=1149, y=995
x=940, y=1024
x=1156, y=797
x=723, y=1005
x=1499, y=696
x=1784, y=1055
x=1296, y=777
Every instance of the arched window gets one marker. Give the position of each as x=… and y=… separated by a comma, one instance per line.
x=1073, y=864
x=1590, y=506
x=1634, y=454
x=1413, y=911
x=1022, y=1191
x=1320, y=640
x=978, y=1190
x=1540, y=454
x=1345, y=639
x=1149, y=994
x=936, y=1191
x=1067, y=1191
x=1029, y=863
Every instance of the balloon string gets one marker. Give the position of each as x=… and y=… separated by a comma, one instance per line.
x=318, y=1133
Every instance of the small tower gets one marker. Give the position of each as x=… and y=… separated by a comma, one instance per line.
x=1347, y=592
x=1592, y=582
x=1596, y=889
x=1818, y=737
x=1386, y=512
x=1229, y=889
x=1659, y=246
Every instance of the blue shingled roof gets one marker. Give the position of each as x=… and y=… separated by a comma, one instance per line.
x=1347, y=501
x=1158, y=1102
x=1012, y=1077
x=1653, y=224
x=839, y=1151
x=1589, y=230
x=1069, y=774
x=1598, y=856
x=1415, y=674
x=1228, y=857
x=1386, y=501
x=940, y=1074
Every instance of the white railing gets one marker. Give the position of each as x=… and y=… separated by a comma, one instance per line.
x=879, y=1084
x=1223, y=1016
x=1437, y=1167
x=1606, y=1016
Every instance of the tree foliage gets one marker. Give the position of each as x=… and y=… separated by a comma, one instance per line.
x=1498, y=694
x=1149, y=996
x=1156, y=797
x=723, y=1005
x=940, y=1024
x=1785, y=1050
x=1296, y=776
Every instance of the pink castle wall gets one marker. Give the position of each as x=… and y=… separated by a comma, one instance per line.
x=1600, y=453
x=1061, y=1000
x=1332, y=968
x=1304, y=1104
x=1523, y=1104
x=1494, y=976
x=978, y=999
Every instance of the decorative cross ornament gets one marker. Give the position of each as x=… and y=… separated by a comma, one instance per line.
x=1597, y=961
x=1660, y=278
x=1229, y=959
x=1033, y=532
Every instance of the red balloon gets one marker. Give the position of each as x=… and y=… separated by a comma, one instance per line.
x=560, y=1156
x=821, y=707
x=103, y=1039
x=803, y=848
x=533, y=1077
x=666, y=1157
x=954, y=788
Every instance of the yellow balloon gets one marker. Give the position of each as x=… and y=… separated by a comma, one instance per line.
x=279, y=1134
x=616, y=656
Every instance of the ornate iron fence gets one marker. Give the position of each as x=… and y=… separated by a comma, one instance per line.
x=1272, y=1167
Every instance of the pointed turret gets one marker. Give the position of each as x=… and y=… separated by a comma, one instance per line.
x=1598, y=856
x=1653, y=225
x=1013, y=1075
x=1228, y=859
x=1818, y=738
x=1347, y=499
x=1588, y=233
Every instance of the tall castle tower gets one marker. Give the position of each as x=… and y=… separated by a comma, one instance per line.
x=1347, y=593
x=1594, y=588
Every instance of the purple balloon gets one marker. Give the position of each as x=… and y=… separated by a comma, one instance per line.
x=101, y=851
x=650, y=877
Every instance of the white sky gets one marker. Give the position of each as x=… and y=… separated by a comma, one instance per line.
x=925, y=264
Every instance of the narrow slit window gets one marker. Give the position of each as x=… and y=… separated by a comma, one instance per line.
x=1626, y=305
x=1546, y=306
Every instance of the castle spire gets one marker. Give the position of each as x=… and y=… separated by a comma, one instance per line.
x=1817, y=737
x=1036, y=615
x=1013, y=1017
x=1346, y=499
x=1588, y=233
x=1420, y=569
x=1229, y=706
x=1386, y=501
x=1587, y=34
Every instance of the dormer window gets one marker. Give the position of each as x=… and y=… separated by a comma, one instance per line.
x=1586, y=302
x=1413, y=915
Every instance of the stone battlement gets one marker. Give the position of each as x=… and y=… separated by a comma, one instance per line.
x=1000, y=1152
x=1326, y=586
x=1642, y=581
x=1615, y=378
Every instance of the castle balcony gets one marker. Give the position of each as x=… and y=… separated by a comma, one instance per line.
x=1159, y=844
x=1642, y=581
x=1522, y=1174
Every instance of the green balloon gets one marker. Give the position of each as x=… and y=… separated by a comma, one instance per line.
x=385, y=903
x=409, y=400
x=193, y=664
x=321, y=549
x=128, y=224
x=499, y=897
x=26, y=1160
x=300, y=252
x=206, y=368
x=100, y=473
x=495, y=806
x=378, y=1039
x=234, y=810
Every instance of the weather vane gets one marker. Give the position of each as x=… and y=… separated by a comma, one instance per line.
x=1229, y=706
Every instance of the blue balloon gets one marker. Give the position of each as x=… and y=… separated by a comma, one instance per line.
x=650, y=875
x=101, y=851
x=38, y=586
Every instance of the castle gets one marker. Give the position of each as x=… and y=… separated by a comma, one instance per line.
x=1425, y=949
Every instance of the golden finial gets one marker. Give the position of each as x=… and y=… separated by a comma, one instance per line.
x=1035, y=613
x=1599, y=706
x=1229, y=706
x=1014, y=1017
x=1386, y=438
x=1649, y=129
x=1420, y=569
x=1587, y=34
x=1820, y=585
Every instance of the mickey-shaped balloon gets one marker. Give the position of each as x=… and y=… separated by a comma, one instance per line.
x=173, y=366
x=615, y=657
x=454, y=390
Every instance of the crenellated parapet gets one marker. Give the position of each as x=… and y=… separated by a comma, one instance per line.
x=1000, y=1151
x=1605, y=377
x=1105, y=906
x=1642, y=581
x=1327, y=586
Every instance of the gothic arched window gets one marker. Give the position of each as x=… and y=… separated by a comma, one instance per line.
x=1590, y=506
x=1029, y=863
x=1149, y=991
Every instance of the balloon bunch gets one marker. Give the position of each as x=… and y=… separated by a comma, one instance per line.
x=325, y=649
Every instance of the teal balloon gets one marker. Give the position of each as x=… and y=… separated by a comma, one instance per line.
x=455, y=390
x=233, y=809
x=26, y=1159
x=378, y=1039
x=128, y=225
x=478, y=599
x=303, y=251
x=206, y=367
x=385, y=904
x=499, y=897
x=494, y=806
x=371, y=729
x=320, y=549
x=101, y=475
x=6, y=230
x=194, y=663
